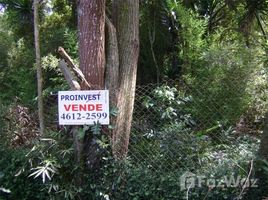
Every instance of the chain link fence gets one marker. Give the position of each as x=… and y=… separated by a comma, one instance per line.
x=203, y=126
x=169, y=115
x=206, y=127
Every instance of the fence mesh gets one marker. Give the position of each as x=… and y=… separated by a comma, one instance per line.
x=199, y=128
x=168, y=114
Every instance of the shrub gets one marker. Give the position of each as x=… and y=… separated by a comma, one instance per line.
x=12, y=178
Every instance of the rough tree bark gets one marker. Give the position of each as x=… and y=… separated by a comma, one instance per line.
x=112, y=62
x=38, y=67
x=126, y=21
x=122, y=48
x=91, y=21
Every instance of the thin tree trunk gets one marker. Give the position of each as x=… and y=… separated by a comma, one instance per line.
x=126, y=20
x=38, y=67
x=91, y=21
x=112, y=62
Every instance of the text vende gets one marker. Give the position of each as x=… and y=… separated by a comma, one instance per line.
x=83, y=107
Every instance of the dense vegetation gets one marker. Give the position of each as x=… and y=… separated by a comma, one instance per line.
x=200, y=104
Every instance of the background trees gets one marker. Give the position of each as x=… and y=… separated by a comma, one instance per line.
x=212, y=55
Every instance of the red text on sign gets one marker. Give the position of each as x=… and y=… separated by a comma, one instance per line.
x=83, y=107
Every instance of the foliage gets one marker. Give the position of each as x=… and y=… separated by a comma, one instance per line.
x=19, y=11
x=134, y=179
x=3, y=111
x=20, y=186
x=191, y=32
x=18, y=78
x=6, y=38
x=54, y=80
x=51, y=163
x=71, y=43
x=155, y=40
x=21, y=126
x=216, y=50
x=225, y=78
x=53, y=158
x=168, y=104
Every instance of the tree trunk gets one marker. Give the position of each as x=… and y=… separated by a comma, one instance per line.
x=38, y=68
x=126, y=21
x=112, y=63
x=122, y=57
x=91, y=21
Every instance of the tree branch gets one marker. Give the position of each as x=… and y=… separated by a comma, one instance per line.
x=72, y=82
x=71, y=64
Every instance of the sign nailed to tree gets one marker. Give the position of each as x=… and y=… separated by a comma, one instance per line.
x=83, y=107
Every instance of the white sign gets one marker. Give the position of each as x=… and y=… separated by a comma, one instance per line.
x=83, y=107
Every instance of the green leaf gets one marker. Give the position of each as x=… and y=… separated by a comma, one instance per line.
x=44, y=171
x=85, y=128
x=81, y=133
x=2, y=175
x=96, y=128
x=114, y=111
x=111, y=127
